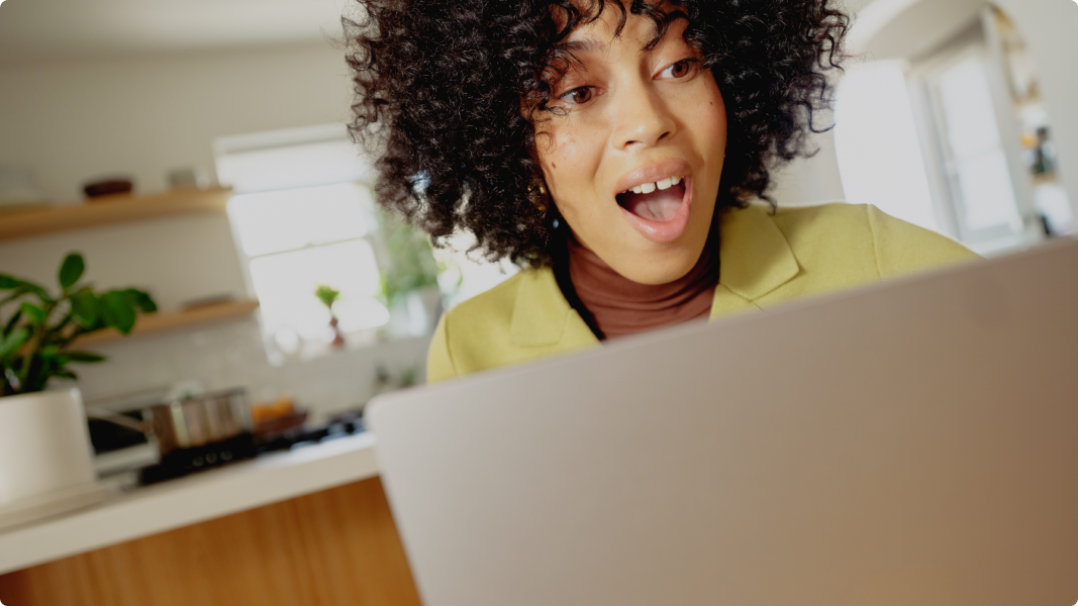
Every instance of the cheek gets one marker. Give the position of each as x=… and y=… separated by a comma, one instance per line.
x=718, y=114
x=710, y=132
x=561, y=156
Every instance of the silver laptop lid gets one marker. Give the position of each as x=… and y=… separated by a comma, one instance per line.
x=915, y=442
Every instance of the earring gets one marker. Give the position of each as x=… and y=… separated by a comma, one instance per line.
x=538, y=194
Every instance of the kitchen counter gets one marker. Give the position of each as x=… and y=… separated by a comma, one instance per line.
x=189, y=500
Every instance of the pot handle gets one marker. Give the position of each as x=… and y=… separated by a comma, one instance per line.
x=119, y=419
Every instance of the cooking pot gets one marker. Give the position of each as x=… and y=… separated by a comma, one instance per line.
x=191, y=422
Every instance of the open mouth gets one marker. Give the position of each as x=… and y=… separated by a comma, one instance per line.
x=658, y=201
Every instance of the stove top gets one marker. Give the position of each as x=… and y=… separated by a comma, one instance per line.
x=182, y=462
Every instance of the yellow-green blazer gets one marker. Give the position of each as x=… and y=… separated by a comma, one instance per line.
x=765, y=259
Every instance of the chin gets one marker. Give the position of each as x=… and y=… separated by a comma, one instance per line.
x=653, y=273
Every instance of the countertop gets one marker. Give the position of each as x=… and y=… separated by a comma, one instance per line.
x=124, y=516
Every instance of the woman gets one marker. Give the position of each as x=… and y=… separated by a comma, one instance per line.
x=617, y=150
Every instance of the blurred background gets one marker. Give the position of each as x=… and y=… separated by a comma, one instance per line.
x=953, y=114
x=956, y=115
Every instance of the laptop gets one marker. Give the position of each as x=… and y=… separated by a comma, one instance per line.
x=912, y=442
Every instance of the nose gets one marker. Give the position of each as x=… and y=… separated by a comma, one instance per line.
x=642, y=117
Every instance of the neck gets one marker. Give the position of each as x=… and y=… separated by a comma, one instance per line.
x=618, y=306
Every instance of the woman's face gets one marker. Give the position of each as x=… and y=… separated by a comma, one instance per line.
x=633, y=151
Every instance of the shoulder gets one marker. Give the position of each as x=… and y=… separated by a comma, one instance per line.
x=832, y=216
x=774, y=256
x=892, y=246
x=477, y=332
x=494, y=307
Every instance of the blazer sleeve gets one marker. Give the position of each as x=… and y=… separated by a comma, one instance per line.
x=439, y=361
x=902, y=248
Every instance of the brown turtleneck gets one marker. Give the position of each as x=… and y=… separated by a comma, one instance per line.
x=619, y=306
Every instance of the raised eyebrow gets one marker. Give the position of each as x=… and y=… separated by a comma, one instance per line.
x=664, y=28
x=568, y=49
x=577, y=46
x=566, y=58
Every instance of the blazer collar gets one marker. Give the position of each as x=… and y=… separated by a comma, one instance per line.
x=543, y=317
x=754, y=258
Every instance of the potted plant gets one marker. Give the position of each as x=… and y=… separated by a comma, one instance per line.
x=410, y=277
x=44, y=441
x=328, y=296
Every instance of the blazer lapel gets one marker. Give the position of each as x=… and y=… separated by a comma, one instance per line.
x=754, y=259
x=543, y=318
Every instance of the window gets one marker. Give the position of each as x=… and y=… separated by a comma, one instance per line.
x=297, y=239
x=936, y=136
x=303, y=215
x=976, y=166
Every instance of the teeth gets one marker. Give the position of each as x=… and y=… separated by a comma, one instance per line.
x=647, y=188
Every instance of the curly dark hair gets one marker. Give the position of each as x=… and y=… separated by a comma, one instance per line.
x=440, y=88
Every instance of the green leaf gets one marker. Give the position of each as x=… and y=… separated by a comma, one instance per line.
x=84, y=308
x=86, y=357
x=140, y=299
x=118, y=311
x=71, y=270
x=36, y=314
x=22, y=287
x=15, y=317
x=10, y=343
x=53, y=362
x=65, y=374
x=15, y=294
x=327, y=295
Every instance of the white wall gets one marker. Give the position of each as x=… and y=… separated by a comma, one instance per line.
x=179, y=259
x=1050, y=28
x=144, y=116
x=814, y=180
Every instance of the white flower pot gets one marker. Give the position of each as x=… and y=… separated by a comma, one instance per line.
x=416, y=312
x=46, y=461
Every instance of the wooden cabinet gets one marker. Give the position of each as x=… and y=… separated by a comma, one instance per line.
x=336, y=547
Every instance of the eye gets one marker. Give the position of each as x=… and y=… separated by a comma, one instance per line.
x=680, y=69
x=579, y=95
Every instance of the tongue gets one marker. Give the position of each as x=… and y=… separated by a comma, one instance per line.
x=660, y=205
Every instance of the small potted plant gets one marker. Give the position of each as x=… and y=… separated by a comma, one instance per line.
x=44, y=441
x=328, y=296
x=410, y=278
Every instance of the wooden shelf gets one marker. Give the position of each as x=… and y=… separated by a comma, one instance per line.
x=109, y=210
x=167, y=321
